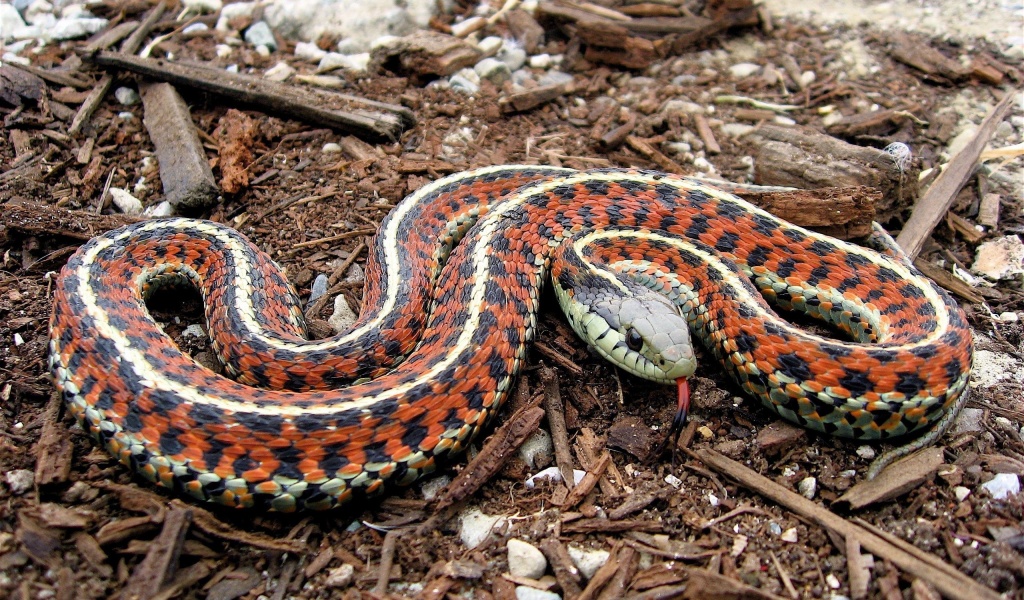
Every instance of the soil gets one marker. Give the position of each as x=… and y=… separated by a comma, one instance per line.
x=75, y=524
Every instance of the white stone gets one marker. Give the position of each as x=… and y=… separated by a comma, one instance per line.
x=10, y=19
x=493, y=70
x=475, y=526
x=961, y=493
x=789, y=535
x=14, y=58
x=309, y=51
x=490, y=45
x=163, y=209
x=541, y=61
x=555, y=78
x=195, y=29
x=513, y=56
x=331, y=148
x=349, y=62
x=18, y=340
x=1002, y=258
x=525, y=592
x=357, y=22
x=1002, y=485
x=125, y=201
x=203, y=6
x=259, y=34
x=468, y=26
x=194, y=332
x=807, y=78
x=553, y=474
x=1009, y=317
x=464, y=84
x=736, y=129
x=525, y=560
x=232, y=11
x=808, y=487
x=340, y=577
x=20, y=481
x=968, y=421
x=866, y=452
x=343, y=316
x=127, y=96
x=263, y=50
x=39, y=12
x=992, y=368
x=69, y=29
x=538, y=444
x=587, y=560
x=741, y=70
x=678, y=106
x=279, y=72
x=223, y=50
x=431, y=488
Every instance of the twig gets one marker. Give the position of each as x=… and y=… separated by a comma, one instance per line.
x=387, y=557
x=784, y=576
x=555, y=409
x=940, y=195
x=944, y=577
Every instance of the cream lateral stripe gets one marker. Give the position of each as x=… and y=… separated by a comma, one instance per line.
x=154, y=379
x=714, y=262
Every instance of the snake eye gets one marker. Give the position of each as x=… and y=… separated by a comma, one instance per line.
x=633, y=340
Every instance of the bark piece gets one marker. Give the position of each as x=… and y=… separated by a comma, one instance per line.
x=235, y=135
x=845, y=212
x=359, y=116
x=184, y=170
x=426, y=55
x=893, y=482
x=523, y=101
x=525, y=28
x=913, y=51
x=806, y=159
x=941, y=193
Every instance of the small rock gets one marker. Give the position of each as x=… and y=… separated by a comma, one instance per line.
x=195, y=332
x=512, y=56
x=279, y=72
x=779, y=436
x=195, y=29
x=968, y=421
x=475, y=526
x=259, y=34
x=553, y=474
x=20, y=481
x=961, y=493
x=490, y=45
x=789, y=535
x=430, y=488
x=340, y=577
x=525, y=560
x=126, y=96
x=541, y=61
x=525, y=592
x=350, y=62
x=463, y=84
x=807, y=487
x=587, y=560
x=69, y=29
x=203, y=6
x=343, y=316
x=866, y=452
x=163, y=209
x=537, y=446
x=741, y=70
x=331, y=148
x=493, y=70
x=232, y=11
x=1002, y=258
x=223, y=50
x=684, y=107
x=468, y=26
x=732, y=448
x=808, y=77
x=833, y=581
x=1002, y=485
x=736, y=130
x=673, y=481
x=125, y=202
x=10, y=19
x=555, y=78
x=309, y=51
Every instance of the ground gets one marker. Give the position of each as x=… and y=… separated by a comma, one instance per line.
x=83, y=534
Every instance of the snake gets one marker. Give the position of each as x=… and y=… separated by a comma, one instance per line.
x=643, y=263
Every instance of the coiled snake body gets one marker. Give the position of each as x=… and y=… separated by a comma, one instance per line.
x=450, y=308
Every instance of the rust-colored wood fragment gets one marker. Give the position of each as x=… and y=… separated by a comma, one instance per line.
x=844, y=212
x=587, y=484
x=568, y=576
x=235, y=135
x=161, y=562
x=525, y=100
x=915, y=52
x=54, y=451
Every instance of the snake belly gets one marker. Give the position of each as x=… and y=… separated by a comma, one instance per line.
x=187, y=429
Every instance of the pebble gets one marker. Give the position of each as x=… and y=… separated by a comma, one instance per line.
x=342, y=317
x=127, y=96
x=349, y=62
x=525, y=560
x=807, y=487
x=235, y=10
x=588, y=560
x=789, y=535
x=203, y=6
x=553, y=474
x=195, y=29
x=1001, y=258
x=163, y=209
x=223, y=50
x=125, y=201
x=490, y=45
x=493, y=70
x=340, y=577
x=961, y=493
x=309, y=51
x=736, y=129
x=742, y=70
x=866, y=452
x=681, y=107
x=512, y=56
x=541, y=61
x=10, y=19
x=537, y=445
x=464, y=83
x=69, y=29
x=555, y=78
x=432, y=487
x=525, y=592
x=259, y=34
x=331, y=148
x=194, y=332
x=279, y=72
x=1002, y=485
x=475, y=526
x=20, y=481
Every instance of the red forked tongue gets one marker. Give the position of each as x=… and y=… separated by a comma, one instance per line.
x=676, y=429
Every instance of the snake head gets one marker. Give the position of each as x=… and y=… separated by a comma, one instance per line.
x=632, y=326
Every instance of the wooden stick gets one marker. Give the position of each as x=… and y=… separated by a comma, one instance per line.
x=367, y=118
x=940, y=195
x=555, y=408
x=950, y=582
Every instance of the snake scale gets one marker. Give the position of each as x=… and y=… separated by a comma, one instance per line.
x=454, y=276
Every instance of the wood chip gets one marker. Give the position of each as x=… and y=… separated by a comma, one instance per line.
x=161, y=561
x=893, y=482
